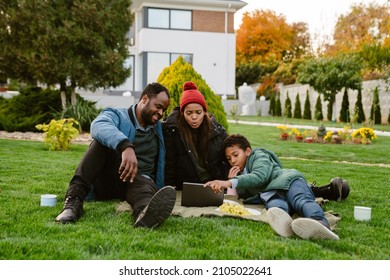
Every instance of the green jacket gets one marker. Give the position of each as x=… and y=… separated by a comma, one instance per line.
x=265, y=173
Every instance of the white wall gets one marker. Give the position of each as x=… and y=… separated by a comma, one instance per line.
x=213, y=54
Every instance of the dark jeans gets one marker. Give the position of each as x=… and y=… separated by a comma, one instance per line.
x=99, y=168
x=298, y=199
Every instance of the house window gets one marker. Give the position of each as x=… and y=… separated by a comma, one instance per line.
x=168, y=19
x=155, y=62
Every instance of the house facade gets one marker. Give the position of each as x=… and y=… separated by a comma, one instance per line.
x=202, y=31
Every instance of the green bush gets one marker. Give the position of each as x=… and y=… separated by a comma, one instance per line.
x=179, y=72
x=318, y=109
x=297, y=109
x=271, y=110
x=59, y=133
x=287, y=108
x=84, y=112
x=31, y=106
x=344, y=111
x=278, y=107
x=375, y=113
x=307, y=109
x=359, y=115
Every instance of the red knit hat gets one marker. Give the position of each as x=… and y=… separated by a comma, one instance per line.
x=191, y=94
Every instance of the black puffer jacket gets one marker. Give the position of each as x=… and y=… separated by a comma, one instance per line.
x=180, y=163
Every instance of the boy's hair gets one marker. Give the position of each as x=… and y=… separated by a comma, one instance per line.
x=153, y=89
x=236, y=139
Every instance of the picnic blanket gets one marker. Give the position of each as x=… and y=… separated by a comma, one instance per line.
x=187, y=212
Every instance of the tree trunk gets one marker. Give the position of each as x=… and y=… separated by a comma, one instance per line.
x=63, y=94
x=73, y=97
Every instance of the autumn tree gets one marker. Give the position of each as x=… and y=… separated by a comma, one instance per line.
x=329, y=75
x=363, y=25
x=265, y=35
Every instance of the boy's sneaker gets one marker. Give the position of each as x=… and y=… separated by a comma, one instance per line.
x=307, y=228
x=158, y=209
x=280, y=221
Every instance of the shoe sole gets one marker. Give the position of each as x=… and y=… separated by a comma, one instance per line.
x=338, y=183
x=311, y=229
x=159, y=208
x=280, y=221
x=345, y=189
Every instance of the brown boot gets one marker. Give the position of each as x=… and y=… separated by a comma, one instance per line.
x=337, y=190
x=72, y=211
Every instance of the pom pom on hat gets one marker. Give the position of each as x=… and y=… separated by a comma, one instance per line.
x=191, y=94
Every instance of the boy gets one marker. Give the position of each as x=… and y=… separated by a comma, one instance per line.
x=257, y=176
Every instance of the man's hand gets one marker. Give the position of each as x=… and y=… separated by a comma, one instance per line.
x=218, y=185
x=234, y=171
x=129, y=165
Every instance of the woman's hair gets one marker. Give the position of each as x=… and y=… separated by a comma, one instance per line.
x=153, y=89
x=198, y=145
x=236, y=139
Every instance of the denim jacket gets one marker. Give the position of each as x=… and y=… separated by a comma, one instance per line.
x=113, y=126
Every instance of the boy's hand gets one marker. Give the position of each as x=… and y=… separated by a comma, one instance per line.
x=233, y=172
x=218, y=185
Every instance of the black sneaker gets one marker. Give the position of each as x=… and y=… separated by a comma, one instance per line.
x=336, y=187
x=158, y=209
x=72, y=211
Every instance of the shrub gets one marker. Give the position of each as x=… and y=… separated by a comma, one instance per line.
x=359, y=115
x=344, y=111
x=272, y=101
x=174, y=76
x=31, y=106
x=84, y=112
x=287, y=108
x=278, y=107
x=307, y=109
x=318, y=109
x=375, y=113
x=58, y=134
x=297, y=108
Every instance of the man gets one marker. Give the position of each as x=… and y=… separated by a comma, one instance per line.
x=126, y=161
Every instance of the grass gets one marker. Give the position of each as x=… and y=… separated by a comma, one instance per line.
x=28, y=231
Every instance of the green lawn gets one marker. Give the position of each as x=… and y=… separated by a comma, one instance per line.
x=28, y=231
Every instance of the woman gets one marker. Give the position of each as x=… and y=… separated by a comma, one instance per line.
x=193, y=140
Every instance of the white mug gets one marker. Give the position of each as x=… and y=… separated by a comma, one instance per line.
x=362, y=213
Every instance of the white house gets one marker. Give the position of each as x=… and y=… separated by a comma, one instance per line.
x=202, y=31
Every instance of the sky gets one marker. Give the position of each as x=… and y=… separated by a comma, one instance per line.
x=320, y=15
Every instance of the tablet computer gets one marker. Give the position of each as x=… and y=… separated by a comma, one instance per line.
x=197, y=195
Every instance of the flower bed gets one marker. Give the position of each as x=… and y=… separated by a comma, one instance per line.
x=363, y=135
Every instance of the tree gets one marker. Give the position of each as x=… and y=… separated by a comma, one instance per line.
x=287, y=107
x=328, y=76
x=344, y=111
x=272, y=101
x=278, y=106
x=179, y=72
x=72, y=43
x=363, y=25
x=359, y=115
x=265, y=35
x=297, y=108
x=318, y=109
x=253, y=71
x=375, y=113
x=307, y=109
